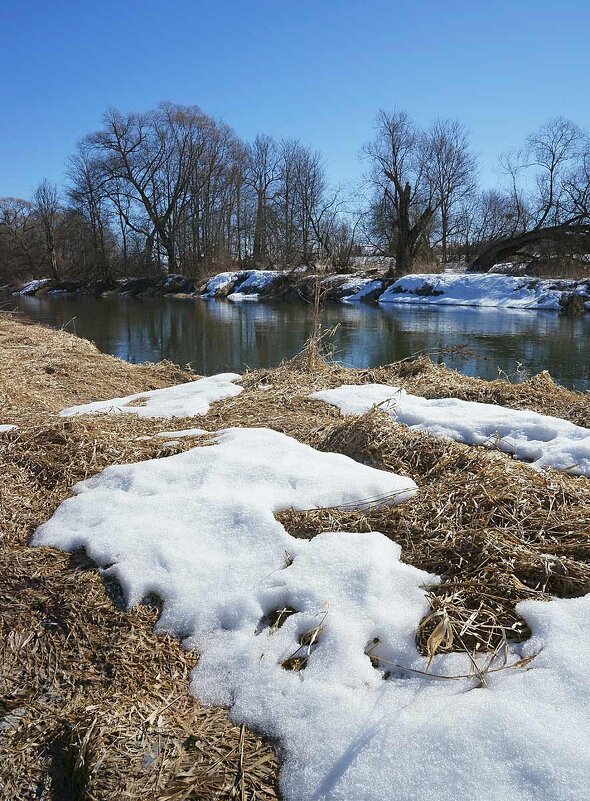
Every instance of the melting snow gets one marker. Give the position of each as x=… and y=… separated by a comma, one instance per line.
x=256, y=282
x=359, y=289
x=198, y=530
x=482, y=290
x=33, y=286
x=244, y=284
x=219, y=282
x=181, y=400
x=542, y=440
x=184, y=432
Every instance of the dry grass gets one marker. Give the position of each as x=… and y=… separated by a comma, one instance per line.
x=45, y=370
x=96, y=705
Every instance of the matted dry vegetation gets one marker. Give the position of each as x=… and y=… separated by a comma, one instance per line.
x=96, y=705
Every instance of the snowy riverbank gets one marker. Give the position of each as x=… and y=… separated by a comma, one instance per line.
x=446, y=289
x=374, y=590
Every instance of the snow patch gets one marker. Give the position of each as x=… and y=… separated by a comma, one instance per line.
x=33, y=286
x=6, y=427
x=181, y=400
x=236, y=297
x=219, y=283
x=198, y=530
x=358, y=290
x=482, y=290
x=539, y=439
x=257, y=281
x=244, y=284
x=184, y=432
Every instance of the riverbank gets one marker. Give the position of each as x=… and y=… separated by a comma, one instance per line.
x=490, y=290
x=96, y=699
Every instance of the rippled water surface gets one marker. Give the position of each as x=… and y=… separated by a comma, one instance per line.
x=213, y=336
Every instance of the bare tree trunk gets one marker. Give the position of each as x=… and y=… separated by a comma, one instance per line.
x=149, y=251
x=444, y=233
x=169, y=246
x=403, y=257
x=52, y=254
x=502, y=249
x=407, y=235
x=258, y=251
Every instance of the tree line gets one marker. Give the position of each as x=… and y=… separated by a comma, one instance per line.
x=173, y=190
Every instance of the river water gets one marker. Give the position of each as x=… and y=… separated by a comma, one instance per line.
x=219, y=335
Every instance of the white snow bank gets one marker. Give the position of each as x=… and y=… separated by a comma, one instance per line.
x=33, y=286
x=6, y=427
x=257, y=281
x=482, y=290
x=197, y=529
x=359, y=289
x=244, y=284
x=219, y=282
x=181, y=400
x=539, y=439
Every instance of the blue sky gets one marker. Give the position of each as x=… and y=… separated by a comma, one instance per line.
x=318, y=71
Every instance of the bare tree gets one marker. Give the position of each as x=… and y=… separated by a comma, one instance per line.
x=450, y=171
x=22, y=248
x=89, y=193
x=288, y=200
x=548, y=191
x=263, y=170
x=46, y=205
x=153, y=154
x=405, y=203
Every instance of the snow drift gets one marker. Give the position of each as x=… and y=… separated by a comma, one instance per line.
x=180, y=400
x=539, y=439
x=198, y=530
x=489, y=289
x=241, y=284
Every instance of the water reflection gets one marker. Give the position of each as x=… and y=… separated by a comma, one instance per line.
x=218, y=335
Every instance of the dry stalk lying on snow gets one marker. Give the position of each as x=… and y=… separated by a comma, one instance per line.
x=95, y=704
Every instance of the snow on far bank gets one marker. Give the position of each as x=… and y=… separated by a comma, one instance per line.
x=33, y=286
x=241, y=284
x=450, y=288
x=541, y=440
x=483, y=290
x=258, y=281
x=198, y=530
x=360, y=289
x=181, y=400
x=219, y=283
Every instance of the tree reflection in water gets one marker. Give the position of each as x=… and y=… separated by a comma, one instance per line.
x=213, y=336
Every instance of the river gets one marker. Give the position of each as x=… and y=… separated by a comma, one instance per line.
x=217, y=335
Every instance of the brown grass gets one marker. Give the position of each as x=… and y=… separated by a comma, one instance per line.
x=96, y=705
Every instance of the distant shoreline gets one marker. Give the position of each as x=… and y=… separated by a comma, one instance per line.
x=489, y=290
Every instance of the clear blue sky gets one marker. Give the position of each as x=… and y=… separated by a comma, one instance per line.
x=316, y=70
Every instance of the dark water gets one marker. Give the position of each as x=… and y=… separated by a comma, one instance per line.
x=213, y=336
